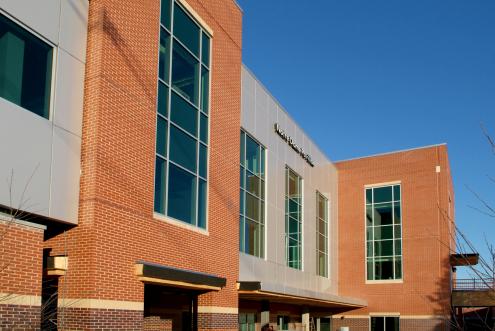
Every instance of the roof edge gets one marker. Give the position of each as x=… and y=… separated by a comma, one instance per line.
x=391, y=152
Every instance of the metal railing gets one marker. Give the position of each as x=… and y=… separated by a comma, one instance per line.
x=475, y=284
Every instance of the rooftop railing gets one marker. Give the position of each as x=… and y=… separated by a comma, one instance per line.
x=475, y=284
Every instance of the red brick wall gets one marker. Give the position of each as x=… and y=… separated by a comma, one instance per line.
x=425, y=288
x=116, y=225
x=21, y=260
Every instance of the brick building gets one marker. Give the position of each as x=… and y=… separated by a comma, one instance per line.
x=153, y=183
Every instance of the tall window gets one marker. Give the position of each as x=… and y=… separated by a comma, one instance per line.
x=321, y=235
x=252, y=218
x=182, y=117
x=293, y=219
x=385, y=323
x=383, y=233
x=25, y=68
x=247, y=321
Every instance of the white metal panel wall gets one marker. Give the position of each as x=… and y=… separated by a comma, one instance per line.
x=44, y=155
x=260, y=111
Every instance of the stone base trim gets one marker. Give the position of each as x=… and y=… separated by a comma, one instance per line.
x=218, y=310
x=100, y=304
x=20, y=299
x=19, y=317
x=407, y=322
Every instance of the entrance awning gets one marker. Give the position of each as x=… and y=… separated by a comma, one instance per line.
x=157, y=274
x=264, y=291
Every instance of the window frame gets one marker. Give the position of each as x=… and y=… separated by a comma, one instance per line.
x=383, y=281
x=327, y=235
x=263, y=188
x=383, y=316
x=300, y=221
x=204, y=30
x=53, y=70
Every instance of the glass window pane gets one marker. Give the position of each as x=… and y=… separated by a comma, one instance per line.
x=186, y=30
x=398, y=248
x=293, y=209
x=241, y=234
x=397, y=192
x=242, y=197
x=397, y=233
x=185, y=74
x=369, y=195
x=203, y=161
x=262, y=172
x=243, y=137
x=252, y=155
x=203, y=130
x=184, y=115
x=377, y=324
x=383, y=214
x=293, y=227
x=164, y=59
x=205, y=51
x=202, y=198
x=253, y=184
x=322, y=227
x=383, y=232
x=165, y=13
x=182, y=195
x=252, y=207
x=252, y=240
x=243, y=185
x=384, y=268
x=25, y=68
x=205, y=89
x=384, y=248
x=369, y=233
x=182, y=149
x=369, y=215
x=369, y=248
x=391, y=323
x=161, y=137
x=398, y=268
x=397, y=213
x=160, y=184
x=369, y=269
x=322, y=243
x=162, y=99
x=382, y=194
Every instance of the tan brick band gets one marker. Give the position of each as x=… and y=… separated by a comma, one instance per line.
x=100, y=304
x=20, y=299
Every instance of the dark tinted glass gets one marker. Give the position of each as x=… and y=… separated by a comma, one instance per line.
x=165, y=13
x=186, y=30
x=397, y=213
x=383, y=214
x=25, y=68
x=253, y=184
x=383, y=232
x=203, y=130
x=242, y=154
x=377, y=324
x=398, y=268
x=202, y=204
x=369, y=215
x=162, y=99
x=161, y=137
x=185, y=74
x=384, y=248
x=242, y=195
x=252, y=238
x=164, y=59
x=252, y=207
x=183, y=114
x=398, y=247
x=182, y=149
x=181, y=195
x=391, y=323
x=397, y=192
x=205, y=92
x=252, y=155
x=369, y=195
x=384, y=268
x=383, y=194
x=160, y=185
x=369, y=269
x=293, y=227
x=205, y=55
x=203, y=161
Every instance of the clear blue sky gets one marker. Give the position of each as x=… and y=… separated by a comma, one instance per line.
x=365, y=77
